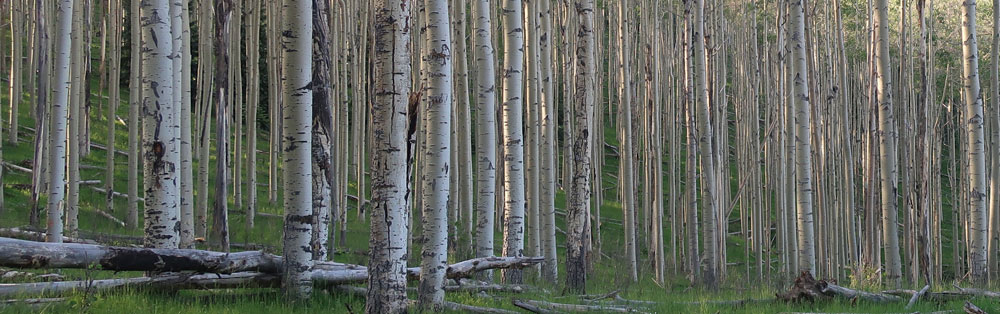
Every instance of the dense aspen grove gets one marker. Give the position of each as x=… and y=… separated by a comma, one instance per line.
x=500, y=156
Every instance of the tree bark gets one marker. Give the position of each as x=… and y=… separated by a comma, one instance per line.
x=625, y=131
x=182, y=98
x=979, y=227
x=887, y=144
x=547, y=215
x=220, y=210
x=803, y=157
x=486, y=136
x=706, y=148
x=513, y=135
x=60, y=101
x=391, y=91
x=578, y=200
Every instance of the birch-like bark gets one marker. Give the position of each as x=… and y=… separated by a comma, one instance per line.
x=114, y=77
x=463, y=119
x=391, y=93
x=182, y=98
x=17, y=33
x=625, y=131
x=42, y=119
x=513, y=136
x=994, y=207
x=60, y=102
x=296, y=42
x=887, y=145
x=205, y=60
x=705, y=140
x=977, y=145
x=220, y=209
x=77, y=75
x=135, y=96
x=578, y=200
x=161, y=134
x=253, y=98
x=322, y=124
x=486, y=136
x=436, y=173
x=803, y=152
x=546, y=207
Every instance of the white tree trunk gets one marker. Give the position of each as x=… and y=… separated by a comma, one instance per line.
x=60, y=102
x=389, y=229
x=547, y=215
x=705, y=140
x=321, y=130
x=296, y=41
x=161, y=129
x=135, y=103
x=578, y=198
x=436, y=174
x=486, y=126
x=625, y=110
x=803, y=158
x=977, y=145
x=513, y=166
x=887, y=145
x=75, y=101
x=182, y=99
x=994, y=205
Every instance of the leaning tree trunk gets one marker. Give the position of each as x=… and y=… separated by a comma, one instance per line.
x=887, y=144
x=513, y=136
x=803, y=158
x=578, y=200
x=161, y=134
x=977, y=145
x=60, y=101
x=486, y=136
x=220, y=210
x=436, y=174
x=391, y=91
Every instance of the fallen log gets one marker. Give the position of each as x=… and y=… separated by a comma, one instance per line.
x=729, y=302
x=110, y=217
x=916, y=296
x=530, y=307
x=972, y=308
x=13, y=275
x=169, y=281
x=459, y=307
x=115, y=193
x=579, y=307
x=979, y=292
x=848, y=293
x=484, y=288
x=18, y=233
x=31, y=302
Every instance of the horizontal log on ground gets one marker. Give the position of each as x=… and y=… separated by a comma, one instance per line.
x=108, y=238
x=728, y=302
x=115, y=193
x=18, y=233
x=30, y=254
x=13, y=275
x=530, y=307
x=168, y=281
x=485, y=288
x=31, y=302
x=848, y=293
x=111, y=217
x=578, y=307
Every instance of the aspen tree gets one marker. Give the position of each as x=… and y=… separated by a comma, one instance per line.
x=182, y=99
x=135, y=103
x=513, y=136
x=296, y=42
x=60, y=102
x=486, y=136
x=114, y=79
x=17, y=13
x=803, y=157
x=463, y=120
x=322, y=128
x=253, y=99
x=391, y=93
x=547, y=191
x=887, y=144
x=220, y=209
x=42, y=119
x=625, y=110
x=993, y=244
x=206, y=61
x=78, y=76
x=976, y=145
x=161, y=134
x=578, y=200
x=705, y=140
x=436, y=176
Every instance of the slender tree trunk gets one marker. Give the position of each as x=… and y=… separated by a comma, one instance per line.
x=17, y=33
x=977, y=145
x=60, y=102
x=322, y=124
x=114, y=79
x=486, y=136
x=205, y=60
x=803, y=157
x=182, y=93
x=547, y=215
x=161, y=134
x=625, y=110
x=42, y=103
x=78, y=75
x=220, y=210
x=887, y=145
x=513, y=136
x=135, y=102
x=390, y=214
x=705, y=140
x=253, y=99
x=578, y=200
x=994, y=206
x=296, y=41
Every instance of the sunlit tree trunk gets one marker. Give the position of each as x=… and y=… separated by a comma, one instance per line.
x=887, y=145
x=513, y=135
x=389, y=215
x=79, y=78
x=161, y=134
x=17, y=25
x=486, y=136
x=547, y=214
x=296, y=41
x=803, y=156
x=977, y=145
x=705, y=138
x=578, y=199
x=625, y=131
x=60, y=103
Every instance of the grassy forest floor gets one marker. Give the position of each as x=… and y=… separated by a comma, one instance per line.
x=607, y=274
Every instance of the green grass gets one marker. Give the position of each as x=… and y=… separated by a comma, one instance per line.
x=608, y=274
